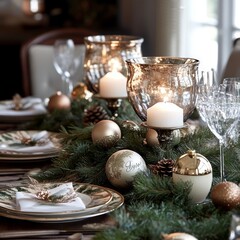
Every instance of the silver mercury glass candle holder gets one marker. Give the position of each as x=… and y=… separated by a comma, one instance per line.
x=147, y=76
x=103, y=50
x=107, y=54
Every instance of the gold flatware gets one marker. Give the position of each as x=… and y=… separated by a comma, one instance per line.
x=17, y=234
x=68, y=234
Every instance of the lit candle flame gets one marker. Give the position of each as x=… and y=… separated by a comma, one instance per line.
x=166, y=94
x=115, y=65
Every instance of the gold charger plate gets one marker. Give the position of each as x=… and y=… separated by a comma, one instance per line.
x=116, y=202
x=98, y=196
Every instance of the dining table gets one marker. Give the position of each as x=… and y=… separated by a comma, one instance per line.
x=19, y=166
x=14, y=174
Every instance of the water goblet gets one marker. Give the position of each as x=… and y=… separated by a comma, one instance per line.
x=221, y=112
x=208, y=77
x=206, y=84
x=232, y=84
x=65, y=62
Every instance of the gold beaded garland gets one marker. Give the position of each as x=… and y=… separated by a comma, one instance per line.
x=59, y=101
x=106, y=133
x=226, y=195
x=178, y=235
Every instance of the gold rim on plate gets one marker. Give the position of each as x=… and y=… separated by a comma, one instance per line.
x=98, y=195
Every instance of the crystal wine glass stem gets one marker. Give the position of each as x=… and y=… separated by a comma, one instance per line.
x=222, y=171
x=67, y=85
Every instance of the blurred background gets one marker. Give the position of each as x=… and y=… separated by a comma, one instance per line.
x=188, y=28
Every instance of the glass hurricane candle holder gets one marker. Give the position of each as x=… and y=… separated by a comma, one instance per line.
x=162, y=79
x=106, y=53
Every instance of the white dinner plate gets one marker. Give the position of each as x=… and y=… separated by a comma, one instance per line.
x=8, y=114
x=13, y=147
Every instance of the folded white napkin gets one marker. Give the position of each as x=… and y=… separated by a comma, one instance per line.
x=36, y=108
x=28, y=202
x=48, y=147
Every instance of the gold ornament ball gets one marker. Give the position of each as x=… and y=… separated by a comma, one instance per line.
x=179, y=236
x=122, y=166
x=106, y=133
x=226, y=195
x=81, y=92
x=59, y=101
x=131, y=125
x=152, y=137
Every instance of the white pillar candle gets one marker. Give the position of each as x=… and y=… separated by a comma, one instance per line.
x=165, y=115
x=113, y=85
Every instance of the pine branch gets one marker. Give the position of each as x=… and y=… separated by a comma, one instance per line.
x=154, y=205
x=157, y=189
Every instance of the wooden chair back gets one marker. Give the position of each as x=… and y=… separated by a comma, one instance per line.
x=232, y=68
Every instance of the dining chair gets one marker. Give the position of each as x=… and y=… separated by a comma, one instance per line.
x=39, y=77
x=232, y=68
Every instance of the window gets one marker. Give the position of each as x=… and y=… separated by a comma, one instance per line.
x=236, y=19
x=202, y=29
x=213, y=25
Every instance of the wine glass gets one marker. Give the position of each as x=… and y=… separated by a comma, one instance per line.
x=65, y=62
x=221, y=111
x=206, y=84
x=233, y=84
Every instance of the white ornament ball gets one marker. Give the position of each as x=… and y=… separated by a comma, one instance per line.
x=179, y=236
x=122, y=166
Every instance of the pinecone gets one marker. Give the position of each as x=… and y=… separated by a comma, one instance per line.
x=94, y=114
x=163, y=167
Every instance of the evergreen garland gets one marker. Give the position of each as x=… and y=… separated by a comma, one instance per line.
x=153, y=205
